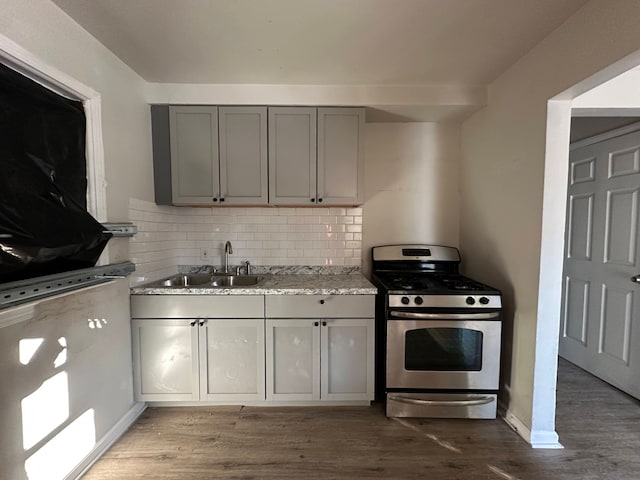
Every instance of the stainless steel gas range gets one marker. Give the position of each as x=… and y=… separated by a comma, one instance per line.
x=438, y=335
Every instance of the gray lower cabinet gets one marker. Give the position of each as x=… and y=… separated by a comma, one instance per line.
x=166, y=366
x=218, y=155
x=310, y=348
x=182, y=353
x=314, y=353
x=316, y=156
x=198, y=359
x=232, y=360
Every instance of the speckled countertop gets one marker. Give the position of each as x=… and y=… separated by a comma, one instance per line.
x=279, y=283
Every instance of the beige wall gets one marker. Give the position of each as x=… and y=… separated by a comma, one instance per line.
x=502, y=168
x=99, y=366
x=411, y=185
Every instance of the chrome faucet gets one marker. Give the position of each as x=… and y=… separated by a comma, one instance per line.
x=228, y=249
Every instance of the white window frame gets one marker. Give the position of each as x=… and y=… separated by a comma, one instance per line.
x=39, y=71
x=50, y=77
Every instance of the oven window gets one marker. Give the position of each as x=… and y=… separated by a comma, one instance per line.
x=443, y=349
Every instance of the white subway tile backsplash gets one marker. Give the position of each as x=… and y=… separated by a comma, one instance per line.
x=171, y=236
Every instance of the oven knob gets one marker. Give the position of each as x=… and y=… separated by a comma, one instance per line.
x=470, y=300
x=418, y=300
x=484, y=300
x=405, y=300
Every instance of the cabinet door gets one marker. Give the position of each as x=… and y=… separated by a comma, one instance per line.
x=340, y=156
x=292, y=156
x=232, y=360
x=293, y=359
x=194, y=155
x=165, y=360
x=243, y=155
x=347, y=359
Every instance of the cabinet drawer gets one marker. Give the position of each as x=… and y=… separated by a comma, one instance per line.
x=320, y=306
x=197, y=306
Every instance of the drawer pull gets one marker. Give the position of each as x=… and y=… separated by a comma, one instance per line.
x=321, y=302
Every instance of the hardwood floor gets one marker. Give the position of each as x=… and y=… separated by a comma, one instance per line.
x=598, y=425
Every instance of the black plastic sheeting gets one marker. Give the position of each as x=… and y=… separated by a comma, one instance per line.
x=44, y=225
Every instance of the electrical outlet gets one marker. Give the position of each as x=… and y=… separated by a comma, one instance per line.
x=204, y=254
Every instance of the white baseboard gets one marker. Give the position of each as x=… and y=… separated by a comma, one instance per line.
x=537, y=438
x=105, y=442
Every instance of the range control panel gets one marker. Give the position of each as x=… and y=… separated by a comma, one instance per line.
x=446, y=301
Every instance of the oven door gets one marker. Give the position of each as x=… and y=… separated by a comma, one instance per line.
x=443, y=350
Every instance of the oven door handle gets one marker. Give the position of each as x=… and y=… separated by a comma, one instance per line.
x=445, y=316
x=442, y=403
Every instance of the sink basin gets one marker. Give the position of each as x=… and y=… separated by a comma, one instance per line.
x=189, y=280
x=235, y=280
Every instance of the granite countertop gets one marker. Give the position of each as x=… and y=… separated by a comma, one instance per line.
x=280, y=283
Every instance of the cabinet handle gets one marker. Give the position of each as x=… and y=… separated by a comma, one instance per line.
x=313, y=200
x=202, y=322
x=222, y=199
x=315, y=324
x=319, y=200
x=324, y=324
x=215, y=199
x=193, y=323
x=321, y=302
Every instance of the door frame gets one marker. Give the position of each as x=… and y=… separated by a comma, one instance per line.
x=542, y=433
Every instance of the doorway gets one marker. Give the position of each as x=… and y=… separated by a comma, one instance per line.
x=610, y=92
x=600, y=321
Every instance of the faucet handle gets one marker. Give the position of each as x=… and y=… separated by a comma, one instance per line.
x=247, y=266
x=238, y=270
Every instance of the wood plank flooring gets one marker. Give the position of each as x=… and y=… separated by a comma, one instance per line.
x=598, y=425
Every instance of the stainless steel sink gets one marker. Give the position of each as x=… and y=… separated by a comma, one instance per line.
x=187, y=280
x=235, y=280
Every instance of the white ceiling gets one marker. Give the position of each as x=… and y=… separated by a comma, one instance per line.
x=320, y=42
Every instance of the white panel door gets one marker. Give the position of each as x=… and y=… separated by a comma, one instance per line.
x=600, y=328
x=293, y=359
x=165, y=360
x=346, y=359
x=232, y=360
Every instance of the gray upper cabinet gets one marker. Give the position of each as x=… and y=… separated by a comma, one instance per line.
x=217, y=155
x=316, y=156
x=207, y=155
x=193, y=135
x=243, y=155
x=292, y=156
x=340, y=156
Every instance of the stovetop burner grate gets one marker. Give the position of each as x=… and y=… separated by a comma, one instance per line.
x=429, y=282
